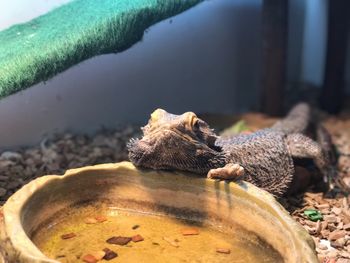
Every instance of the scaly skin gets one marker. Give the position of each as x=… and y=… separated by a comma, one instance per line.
x=264, y=158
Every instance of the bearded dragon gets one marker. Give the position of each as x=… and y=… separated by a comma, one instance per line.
x=264, y=158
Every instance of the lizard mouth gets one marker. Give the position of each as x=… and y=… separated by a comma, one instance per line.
x=173, y=150
x=137, y=150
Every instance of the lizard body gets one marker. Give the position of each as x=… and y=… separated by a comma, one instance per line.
x=264, y=158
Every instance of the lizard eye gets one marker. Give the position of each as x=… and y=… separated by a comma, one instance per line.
x=196, y=125
x=191, y=121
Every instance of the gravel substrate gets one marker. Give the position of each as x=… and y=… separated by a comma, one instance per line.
x=332, y=234
x=55, y=155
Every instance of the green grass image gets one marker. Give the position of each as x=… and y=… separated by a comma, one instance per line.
x=37, y=50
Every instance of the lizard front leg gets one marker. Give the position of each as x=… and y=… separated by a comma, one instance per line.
x=228, y=172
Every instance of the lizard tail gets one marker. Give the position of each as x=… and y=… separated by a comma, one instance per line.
x=329, y=152
x=296, y=121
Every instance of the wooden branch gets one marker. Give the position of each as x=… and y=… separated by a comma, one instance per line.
x=334, y=80
x=274, y=52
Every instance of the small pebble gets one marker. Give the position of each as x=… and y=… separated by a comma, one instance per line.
x=336, y=234
x=6, y=164
x=344, y=254
x=340, y=225
x=345, y=203
x=325, y=233
x=13, y=185
x=321, y=258
x=325, y=211
x=135, y=227
x=322, y=206
x=324, y=225
x=13, y=156
x=339, y=243
x=322, y=246
x=336, y=210
x=3, y=192
x=330, y=219
x=332, y=227
x=3, y=178
x=332, y=254
x=318, y=227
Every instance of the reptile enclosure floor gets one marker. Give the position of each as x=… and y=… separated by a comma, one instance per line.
x=57, y=154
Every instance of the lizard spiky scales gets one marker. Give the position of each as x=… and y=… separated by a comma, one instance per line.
x=185, y=142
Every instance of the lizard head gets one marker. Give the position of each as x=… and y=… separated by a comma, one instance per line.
x=181, y=142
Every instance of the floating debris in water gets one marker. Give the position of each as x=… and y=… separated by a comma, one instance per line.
x=68, y=236
x=109, y=254
x=90, y=220
x=137, y=238
x=121, y=241
x=174, y=243
x=223, y=250
x=101, y=219
x=190, y=231
x=98, y=254
x=135, y=227
x=88, y=258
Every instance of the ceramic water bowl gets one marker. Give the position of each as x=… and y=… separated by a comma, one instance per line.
x=163, y=193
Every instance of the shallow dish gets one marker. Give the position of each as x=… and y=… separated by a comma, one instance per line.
x=174, y=195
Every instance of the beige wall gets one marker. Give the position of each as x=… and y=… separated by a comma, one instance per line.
x=204, y=60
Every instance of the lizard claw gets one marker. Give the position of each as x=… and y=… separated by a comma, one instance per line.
x=228, y=172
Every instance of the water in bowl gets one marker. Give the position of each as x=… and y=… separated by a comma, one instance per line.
x=88, y=227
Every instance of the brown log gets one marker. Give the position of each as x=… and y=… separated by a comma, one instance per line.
x=274, y=52
x=334, y=80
